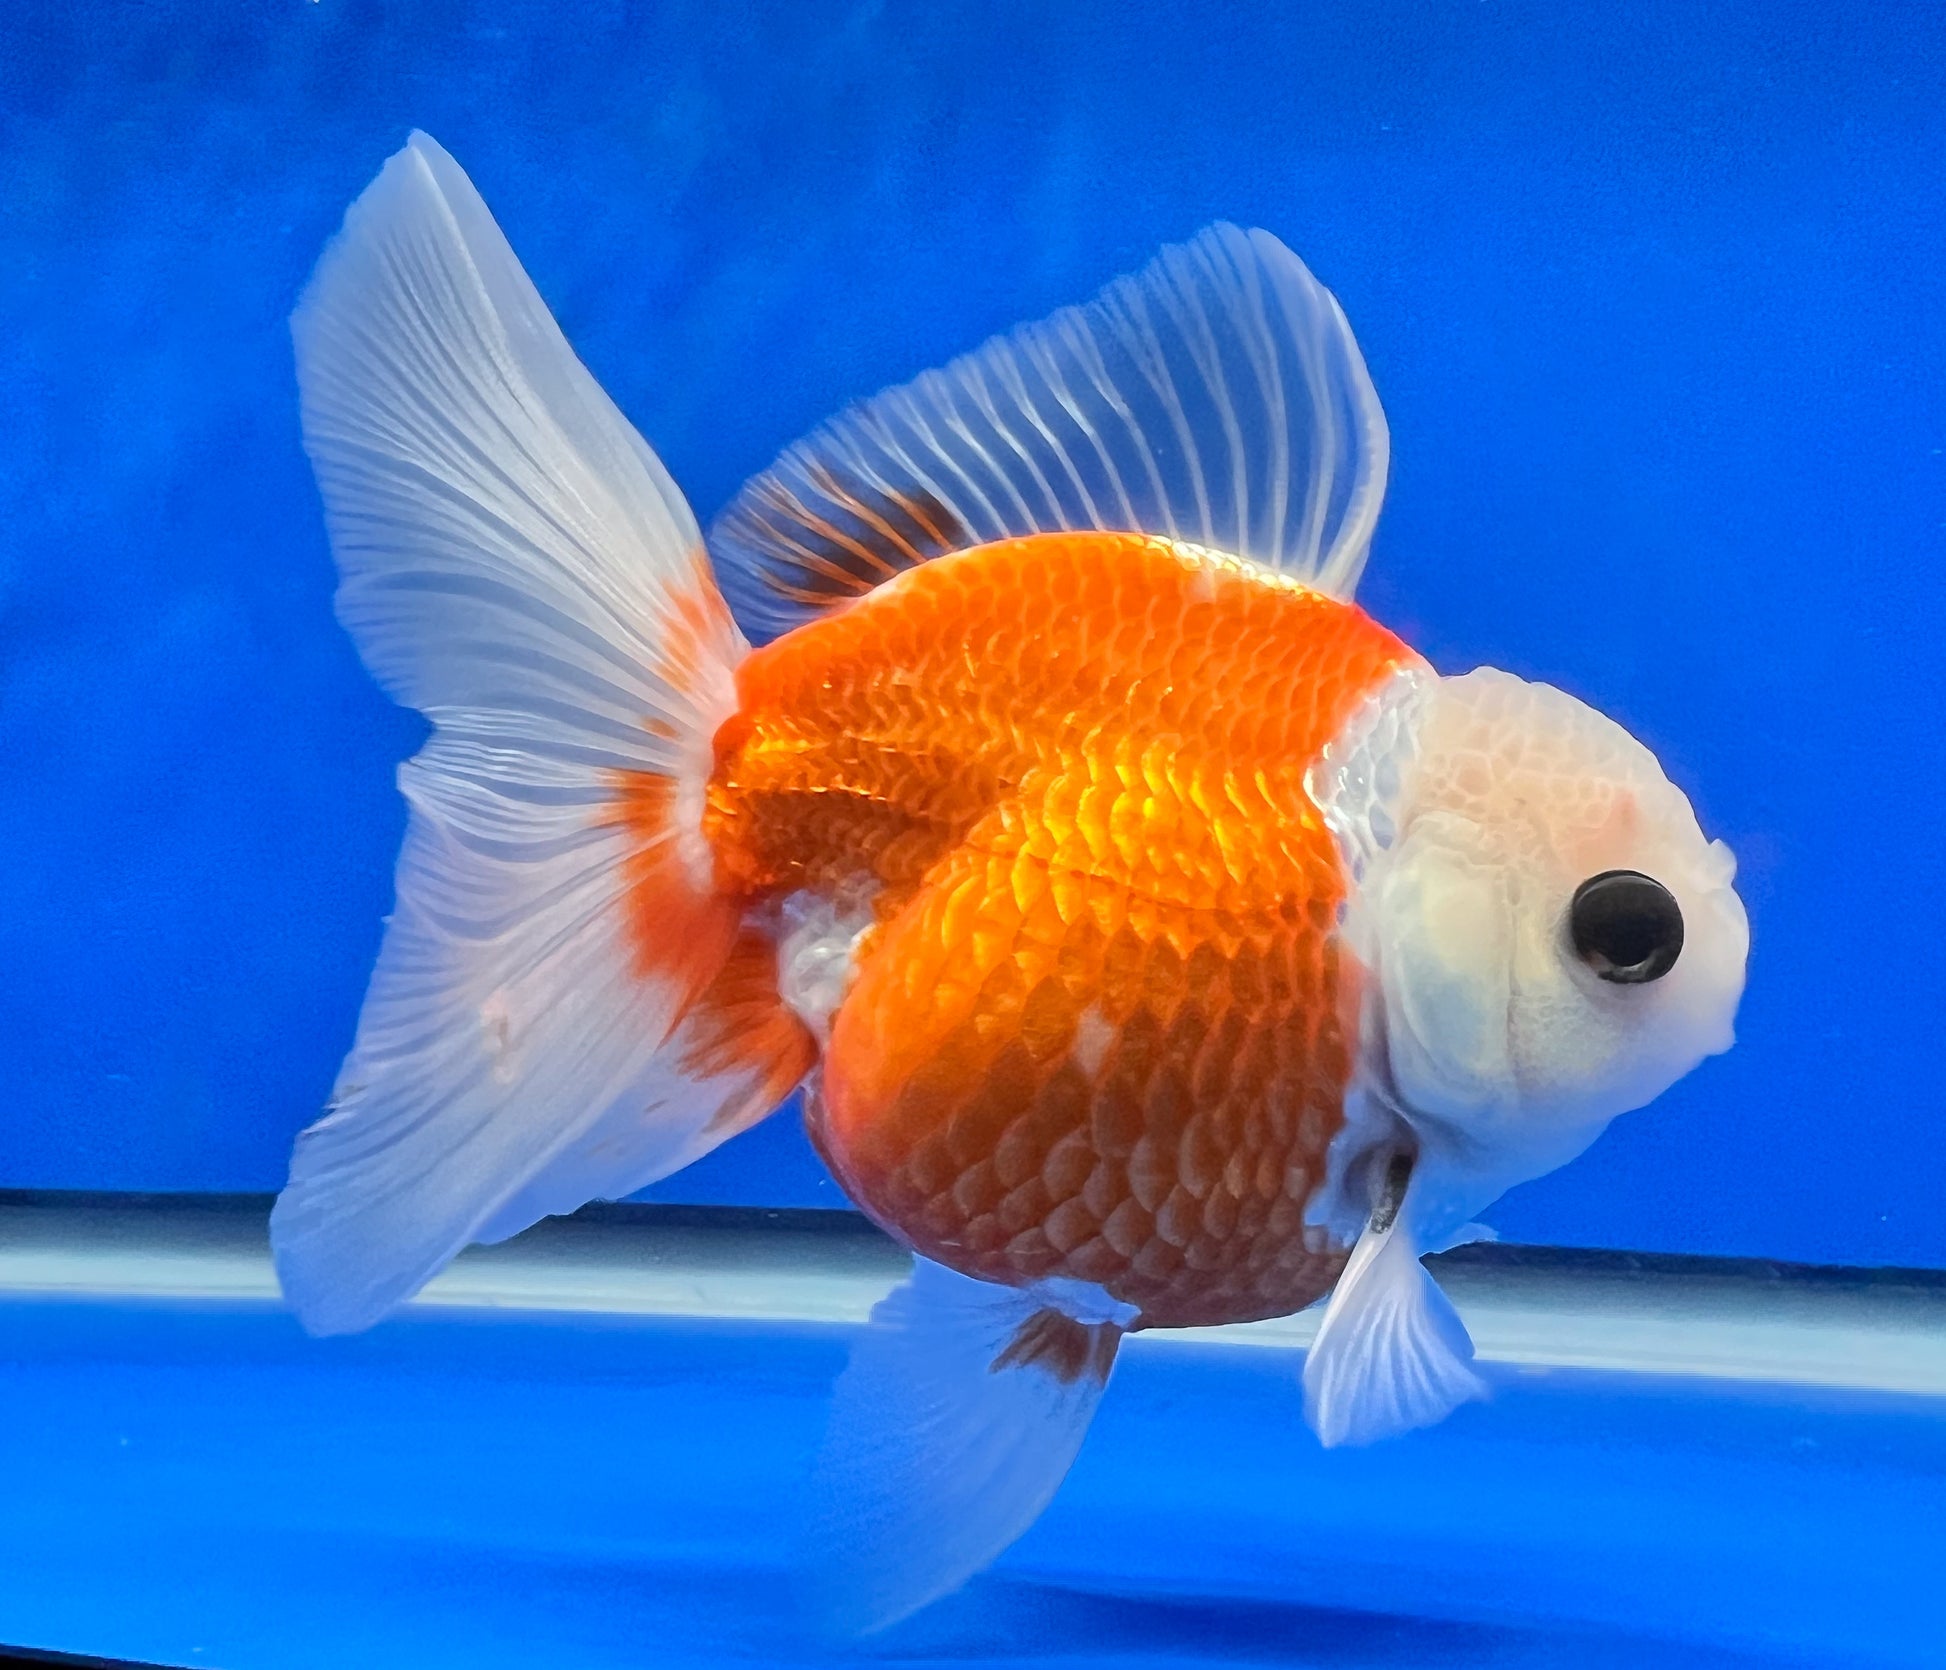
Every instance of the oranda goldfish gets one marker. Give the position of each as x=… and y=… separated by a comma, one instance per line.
x=1160, y=941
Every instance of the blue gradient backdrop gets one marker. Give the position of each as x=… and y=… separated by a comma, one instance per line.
x=1653, y=295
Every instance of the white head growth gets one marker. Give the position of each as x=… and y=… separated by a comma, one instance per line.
x=1525, y=918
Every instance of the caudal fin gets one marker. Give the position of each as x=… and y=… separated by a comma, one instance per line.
x=962, y=1409
x=549, y=1018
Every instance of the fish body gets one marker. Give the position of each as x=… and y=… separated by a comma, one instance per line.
x=1158, y=939
x=1099, y=1025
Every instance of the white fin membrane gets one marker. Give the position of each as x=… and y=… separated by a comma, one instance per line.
x=517, y=565
x=1391, y=1354
x=1216, y=397
x=949, y=1434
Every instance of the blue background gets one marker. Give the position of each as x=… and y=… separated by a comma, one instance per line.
x=1653, y=294
x=465, y=1491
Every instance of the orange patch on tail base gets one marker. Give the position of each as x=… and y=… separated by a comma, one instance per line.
x=739, y=1024
x=1067, y=1349
x=677, y=929
x=735, y=1034
x=679, y=922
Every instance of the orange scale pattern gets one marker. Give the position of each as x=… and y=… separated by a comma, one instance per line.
x=1101, y=1026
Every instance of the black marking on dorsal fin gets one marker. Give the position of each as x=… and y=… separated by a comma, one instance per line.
x=819, y=539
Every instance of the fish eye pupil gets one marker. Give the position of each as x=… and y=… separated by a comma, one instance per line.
x=1625, y=926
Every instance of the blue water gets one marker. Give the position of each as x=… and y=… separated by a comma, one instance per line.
x=1652, y=295
x=206, y=1486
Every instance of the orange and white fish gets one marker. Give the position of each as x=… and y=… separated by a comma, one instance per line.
x=1162, y=942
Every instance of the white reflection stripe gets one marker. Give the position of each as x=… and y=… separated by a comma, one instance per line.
x=1889, y=1339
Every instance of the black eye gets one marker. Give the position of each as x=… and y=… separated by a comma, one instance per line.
x=1626, y=927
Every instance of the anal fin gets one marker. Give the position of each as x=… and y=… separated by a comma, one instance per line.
x=962, y=1409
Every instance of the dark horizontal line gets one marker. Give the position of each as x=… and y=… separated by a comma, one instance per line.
x=25, y=1657
x=818, y=1220
x=845, y=1224
x=1516, y=1255
x=195, y=1200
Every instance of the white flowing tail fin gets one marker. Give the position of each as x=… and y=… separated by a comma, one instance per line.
x=962, y=1409
x=562, y=1007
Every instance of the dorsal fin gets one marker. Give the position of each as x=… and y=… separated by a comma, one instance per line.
x=1217, y=396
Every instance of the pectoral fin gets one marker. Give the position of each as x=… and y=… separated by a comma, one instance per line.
x=1391, y=1353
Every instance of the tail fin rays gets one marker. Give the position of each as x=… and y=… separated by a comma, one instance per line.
x=516, y=564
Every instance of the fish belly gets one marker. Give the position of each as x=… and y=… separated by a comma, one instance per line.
x=1100, y=1023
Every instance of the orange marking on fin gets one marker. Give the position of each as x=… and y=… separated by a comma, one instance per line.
x=679, y=922
x=677, y=931
x=697, y=630
x=851, y=544
x=942, y=532
x=797, y=513
x=1067, y=1349
x=740, y=1023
